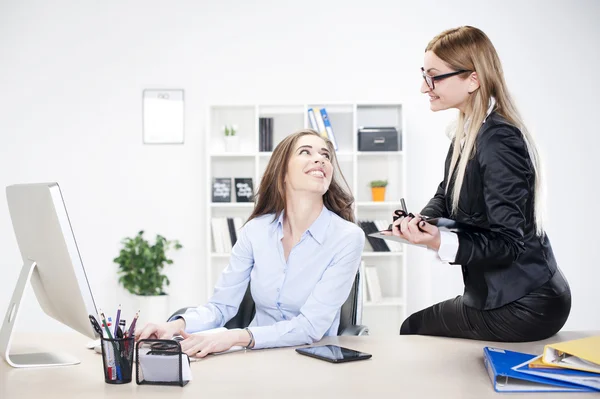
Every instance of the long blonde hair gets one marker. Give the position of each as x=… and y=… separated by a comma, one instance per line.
x=271, y=196
x=468, y=48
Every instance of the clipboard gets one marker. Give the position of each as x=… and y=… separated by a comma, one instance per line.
x=441, y=223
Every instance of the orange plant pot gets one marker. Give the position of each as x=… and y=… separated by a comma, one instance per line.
x=378, y=194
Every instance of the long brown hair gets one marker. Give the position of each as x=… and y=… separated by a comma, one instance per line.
x=271, y=197
x=468, y=48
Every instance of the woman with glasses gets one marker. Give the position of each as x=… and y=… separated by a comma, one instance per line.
x=514, y=290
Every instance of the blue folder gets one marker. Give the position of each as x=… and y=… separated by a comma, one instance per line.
x=591, y=380
x=499, y=364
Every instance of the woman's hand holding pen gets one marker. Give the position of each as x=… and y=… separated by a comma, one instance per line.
x=415, y=230
x=160, y=330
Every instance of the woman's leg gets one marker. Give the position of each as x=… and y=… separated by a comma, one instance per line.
x=450, y=318
x=536, y=316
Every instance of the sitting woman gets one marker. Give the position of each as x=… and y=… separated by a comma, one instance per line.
x=300, y=251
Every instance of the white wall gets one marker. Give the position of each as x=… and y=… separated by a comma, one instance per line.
x=72, y=74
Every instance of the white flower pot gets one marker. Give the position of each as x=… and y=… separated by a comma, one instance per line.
x=232, y=143
x=153, y=309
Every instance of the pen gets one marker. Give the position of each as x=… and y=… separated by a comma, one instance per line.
x=132, y=326
x=121, y=328
x=117, y=320
x=403, y=205
x=106, y=326
x=112, y=375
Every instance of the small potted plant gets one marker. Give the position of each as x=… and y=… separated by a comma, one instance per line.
x=378, y=190
x=232, y=142
x=140, y=267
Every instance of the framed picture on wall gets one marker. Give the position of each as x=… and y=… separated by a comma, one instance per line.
x=244, y=189
x=221, y=189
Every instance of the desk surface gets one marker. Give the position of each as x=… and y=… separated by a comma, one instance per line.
x=401, y=367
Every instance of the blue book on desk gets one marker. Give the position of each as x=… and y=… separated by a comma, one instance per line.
x=499, y=364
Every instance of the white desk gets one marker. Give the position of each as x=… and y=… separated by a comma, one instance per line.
x=402, y=367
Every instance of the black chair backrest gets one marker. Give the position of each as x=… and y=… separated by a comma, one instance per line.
x=245, y=314
x=247, y=309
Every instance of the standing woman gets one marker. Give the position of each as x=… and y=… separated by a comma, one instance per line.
x=514, y=290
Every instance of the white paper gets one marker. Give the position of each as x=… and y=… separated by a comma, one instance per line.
x=163, y=116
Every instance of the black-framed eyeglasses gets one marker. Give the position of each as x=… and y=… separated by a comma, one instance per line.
x=430, y=80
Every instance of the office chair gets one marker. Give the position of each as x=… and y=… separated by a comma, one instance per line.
x=350, y=315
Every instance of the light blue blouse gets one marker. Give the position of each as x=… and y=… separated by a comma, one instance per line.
x=298, y=301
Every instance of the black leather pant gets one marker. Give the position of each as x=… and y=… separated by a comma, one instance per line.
x=538, y=315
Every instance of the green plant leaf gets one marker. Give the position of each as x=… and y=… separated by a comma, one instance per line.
x=378, y=183
x=140, y=264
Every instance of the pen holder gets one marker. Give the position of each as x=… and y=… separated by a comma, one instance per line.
x=117, y=359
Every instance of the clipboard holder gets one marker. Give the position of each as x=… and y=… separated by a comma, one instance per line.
x=440, y=222
x=161, y=362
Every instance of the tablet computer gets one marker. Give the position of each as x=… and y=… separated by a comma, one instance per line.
x=333, y=353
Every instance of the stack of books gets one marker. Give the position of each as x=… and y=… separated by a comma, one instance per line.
x=570, y=366
x=265, y=132
x=224, y=233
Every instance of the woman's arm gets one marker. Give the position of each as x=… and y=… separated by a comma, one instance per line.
x=507, y=175
x=229, y=290
x=319, y=310
x=436, y=207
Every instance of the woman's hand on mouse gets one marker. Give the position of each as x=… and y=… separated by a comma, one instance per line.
x=160, y=330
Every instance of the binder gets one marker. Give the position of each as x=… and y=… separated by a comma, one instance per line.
x=537, y=363
x=328, y=128
x=499, y=364
x=579, y=354
x=584, y=378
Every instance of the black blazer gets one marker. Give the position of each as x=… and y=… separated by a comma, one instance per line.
x=506, y=259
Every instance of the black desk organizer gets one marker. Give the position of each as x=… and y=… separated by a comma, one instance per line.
x=161, y=347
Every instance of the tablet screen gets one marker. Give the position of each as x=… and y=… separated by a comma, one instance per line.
x=333, y=353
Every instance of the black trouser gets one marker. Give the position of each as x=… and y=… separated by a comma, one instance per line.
x=538, y=315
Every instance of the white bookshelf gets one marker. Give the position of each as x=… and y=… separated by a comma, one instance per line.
x=359, y=168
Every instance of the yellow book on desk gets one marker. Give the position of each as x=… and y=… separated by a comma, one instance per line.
x=580, y=354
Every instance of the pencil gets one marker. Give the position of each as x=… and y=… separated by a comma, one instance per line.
x=117, y=320
x=132, y=326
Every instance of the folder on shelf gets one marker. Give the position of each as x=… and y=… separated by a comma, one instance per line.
x=584, y=378
x=499, y=364
x=373, y=284
x=579, y=354
x=328, y=128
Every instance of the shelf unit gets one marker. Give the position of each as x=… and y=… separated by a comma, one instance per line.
x=384, y=317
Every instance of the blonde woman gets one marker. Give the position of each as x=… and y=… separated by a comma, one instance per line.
x=299, y=251
x=514, y=290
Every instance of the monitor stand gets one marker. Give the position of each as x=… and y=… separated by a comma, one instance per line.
x=6, y=334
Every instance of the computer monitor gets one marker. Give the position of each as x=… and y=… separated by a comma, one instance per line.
x=51, y=262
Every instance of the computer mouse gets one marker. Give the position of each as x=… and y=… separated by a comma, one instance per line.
x=93, y=344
